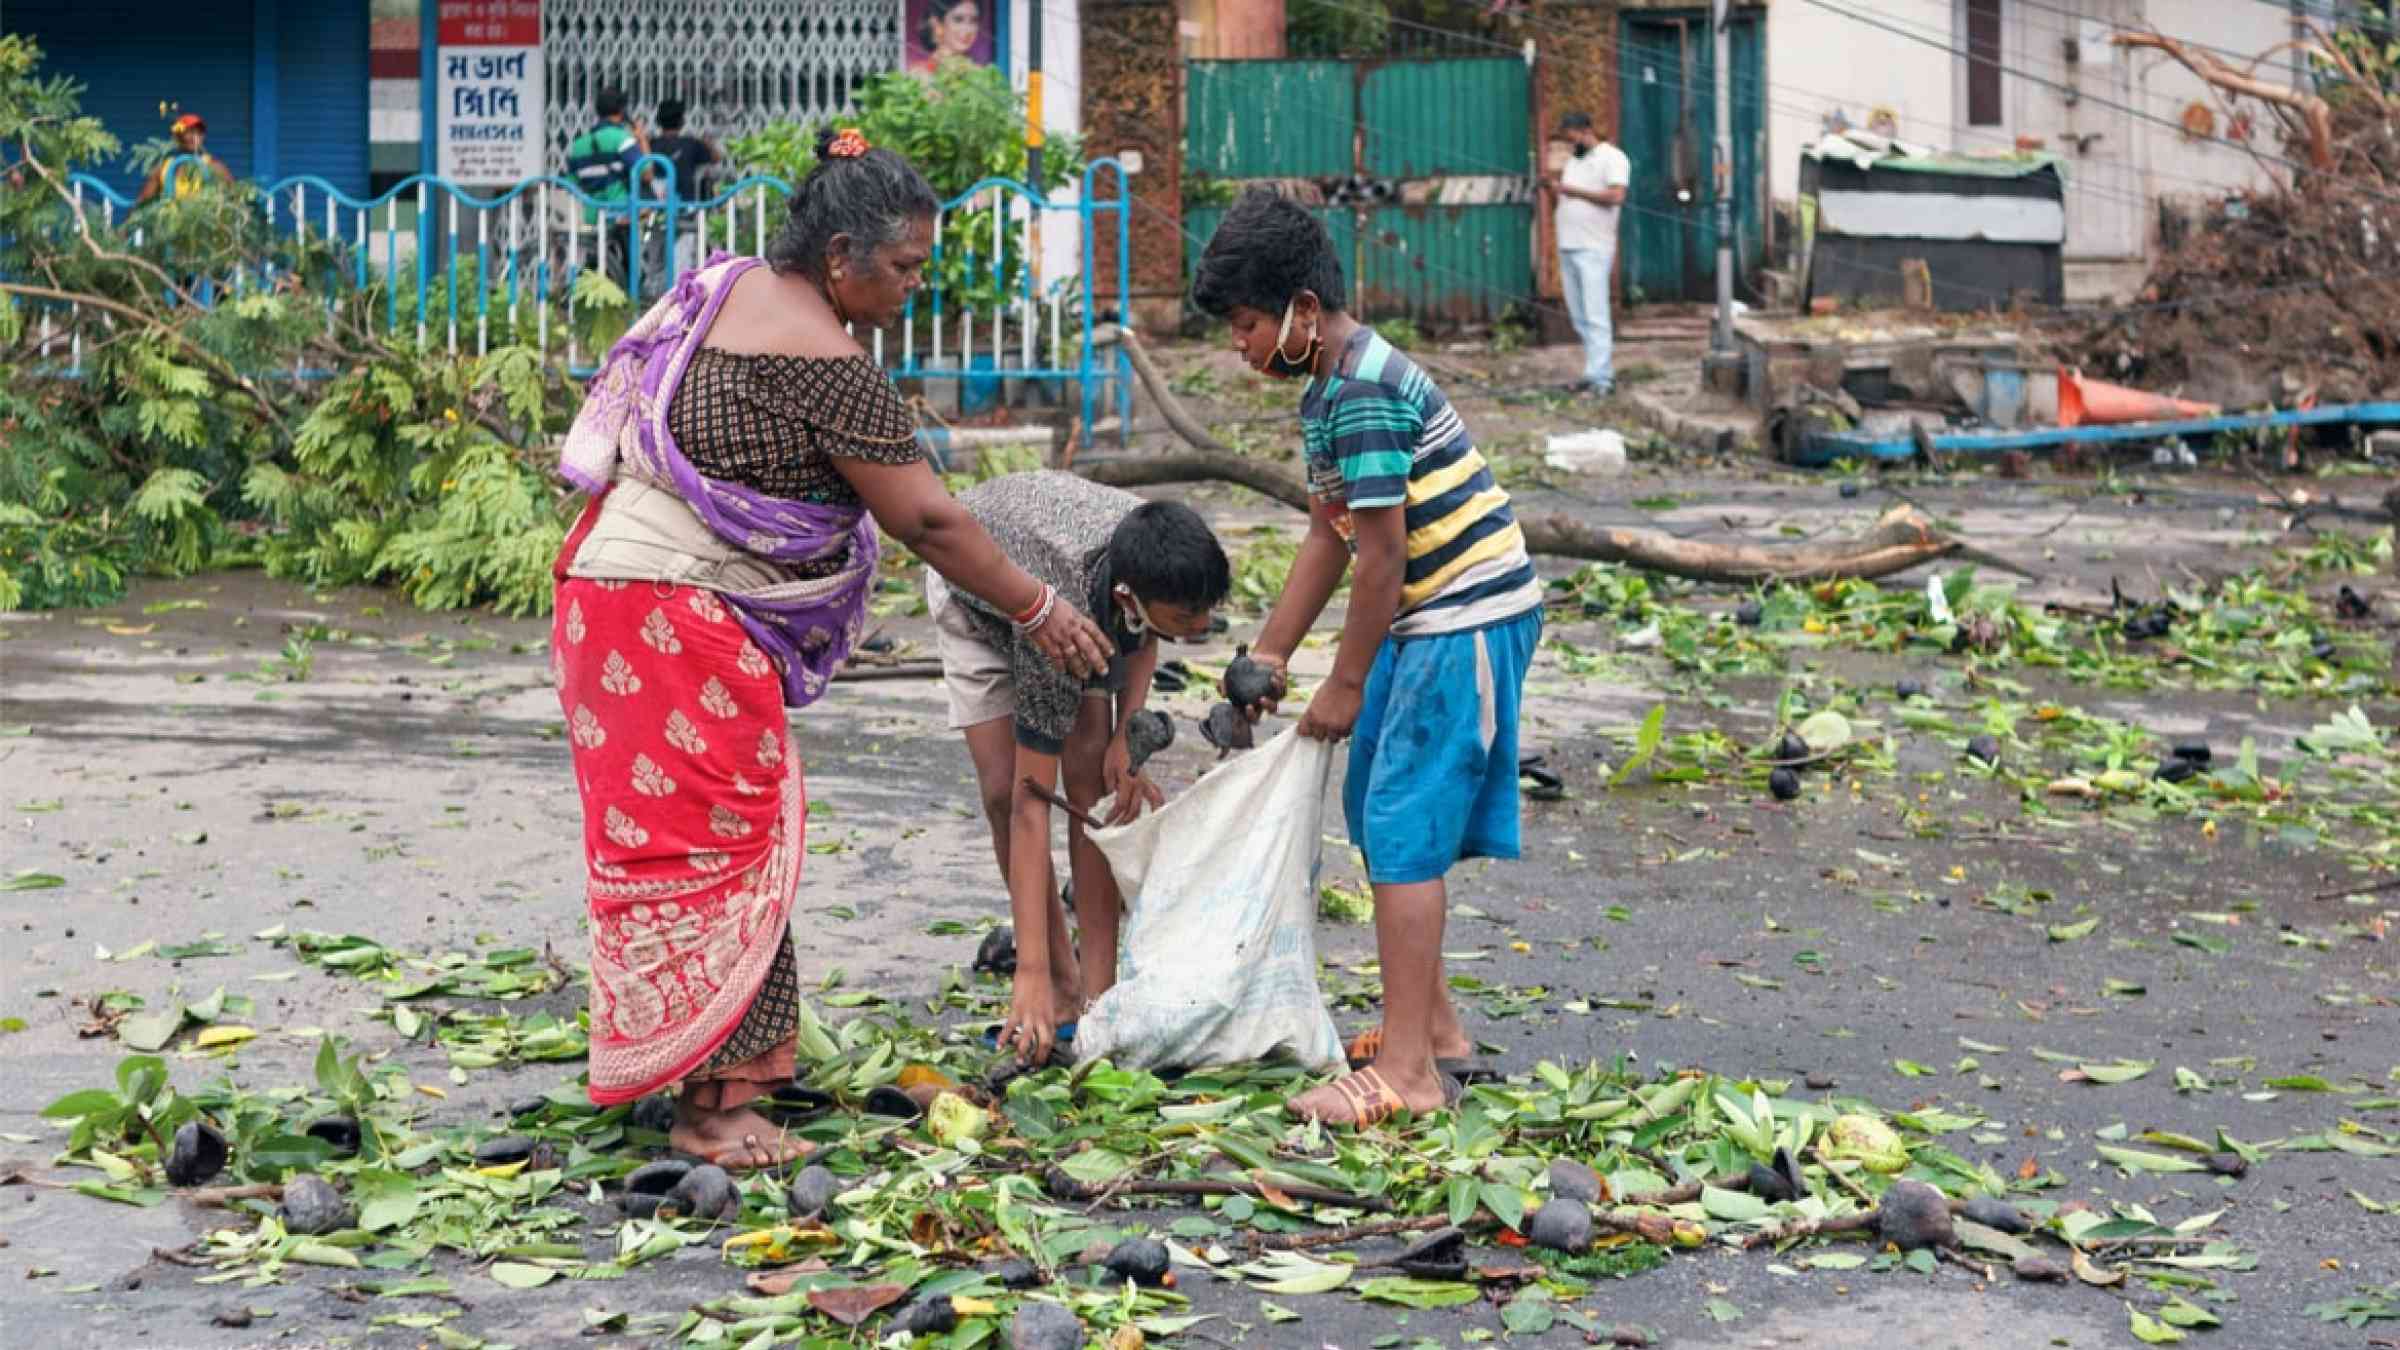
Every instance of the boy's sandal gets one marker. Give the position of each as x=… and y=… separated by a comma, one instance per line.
x=1547, y=786
x=1370, y=1099
x=1366, y=1045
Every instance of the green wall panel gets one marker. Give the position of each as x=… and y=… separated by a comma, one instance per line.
x=1269, y=119
x=1427, y=119
x=1447, y=264
x=1667, y=126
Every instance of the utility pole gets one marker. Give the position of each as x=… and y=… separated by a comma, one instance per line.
x=1721, y=337
x=2300, y=36
x=1033, y=139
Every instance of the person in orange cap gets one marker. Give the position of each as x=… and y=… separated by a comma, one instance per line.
x=191, y=139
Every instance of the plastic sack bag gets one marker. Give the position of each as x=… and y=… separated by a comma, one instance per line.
x=1217, y=959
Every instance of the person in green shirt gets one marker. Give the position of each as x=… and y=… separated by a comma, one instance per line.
x=601, y=161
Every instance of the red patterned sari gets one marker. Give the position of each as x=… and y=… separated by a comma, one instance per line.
x=694, y=821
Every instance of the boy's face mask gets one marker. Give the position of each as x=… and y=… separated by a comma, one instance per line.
x=1286, y=367
x=1180, y=625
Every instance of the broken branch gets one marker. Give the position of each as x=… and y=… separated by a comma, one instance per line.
x=2312, y=110
x=1902, y=539
x=223, y=1197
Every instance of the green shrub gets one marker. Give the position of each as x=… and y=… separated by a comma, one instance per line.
x=960, y=126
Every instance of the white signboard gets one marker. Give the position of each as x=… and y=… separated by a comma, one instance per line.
x=491, y=114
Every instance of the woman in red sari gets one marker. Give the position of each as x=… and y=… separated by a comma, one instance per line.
x=741, y=450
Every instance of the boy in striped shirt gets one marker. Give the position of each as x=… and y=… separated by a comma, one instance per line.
x=1444, y=615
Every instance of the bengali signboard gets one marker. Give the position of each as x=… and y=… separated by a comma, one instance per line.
x=489, y=90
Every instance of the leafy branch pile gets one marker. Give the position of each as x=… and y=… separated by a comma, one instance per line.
x=186, y=442
x=946, y=1196
x=1990, y=691
x=2252, y=631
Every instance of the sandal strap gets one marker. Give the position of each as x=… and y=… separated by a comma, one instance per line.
x=1371, y=1099
x=1365, y=1046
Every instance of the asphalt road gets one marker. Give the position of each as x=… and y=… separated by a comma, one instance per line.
x=413, y=788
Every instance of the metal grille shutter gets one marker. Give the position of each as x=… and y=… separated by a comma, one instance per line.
x=321, y=92
x=130, y=55
x=740, y=64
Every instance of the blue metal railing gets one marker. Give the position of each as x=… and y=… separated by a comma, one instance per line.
x=521, y=251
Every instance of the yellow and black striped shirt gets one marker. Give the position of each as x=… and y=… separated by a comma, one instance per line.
x=1380, y=433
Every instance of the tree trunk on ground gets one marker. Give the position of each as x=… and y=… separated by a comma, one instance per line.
x=1902, y=539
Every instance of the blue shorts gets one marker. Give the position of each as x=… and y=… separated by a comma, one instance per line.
x=1433, y=760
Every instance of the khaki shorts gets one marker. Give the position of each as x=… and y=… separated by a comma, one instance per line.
x=975, y=674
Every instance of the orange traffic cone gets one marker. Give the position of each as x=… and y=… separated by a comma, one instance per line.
x=2083, y=402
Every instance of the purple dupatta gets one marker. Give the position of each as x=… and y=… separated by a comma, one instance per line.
x=806, y=626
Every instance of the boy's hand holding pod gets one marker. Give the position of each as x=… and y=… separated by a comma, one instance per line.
x=1255, y=684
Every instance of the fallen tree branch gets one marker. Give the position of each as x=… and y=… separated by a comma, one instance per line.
x=2312, y=110
x=1189, y=465
x=1902, y=539
x=215, y=363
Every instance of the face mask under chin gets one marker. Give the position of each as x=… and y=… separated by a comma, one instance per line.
x=1284, y=367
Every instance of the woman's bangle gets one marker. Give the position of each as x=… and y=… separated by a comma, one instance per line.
x=1040, y=612
x=1027, y=615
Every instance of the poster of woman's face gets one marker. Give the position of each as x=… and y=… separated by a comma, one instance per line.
x=941, y=29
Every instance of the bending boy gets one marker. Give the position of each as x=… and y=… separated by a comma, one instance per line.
x=1445, y=613
x=1144, y=570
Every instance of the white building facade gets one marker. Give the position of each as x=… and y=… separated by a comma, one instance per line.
x=2134, y=127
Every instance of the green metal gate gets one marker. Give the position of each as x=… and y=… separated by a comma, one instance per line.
x=1404, y=120
x=1667, y=125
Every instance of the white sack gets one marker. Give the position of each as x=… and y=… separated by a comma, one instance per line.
x=1217, y=960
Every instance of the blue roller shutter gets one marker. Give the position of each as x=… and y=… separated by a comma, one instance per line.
x=132, y=55
x=321, y=92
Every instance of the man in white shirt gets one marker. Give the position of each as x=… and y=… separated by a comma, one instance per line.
x=1589, y=190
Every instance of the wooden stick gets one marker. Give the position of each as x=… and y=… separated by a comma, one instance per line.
x=1839, y=1225
x=223, y=1197
x=1075, y=812
x=900, y=670
x=1338, y=1237
x=1147, y=1186
x=1848, y=1182
x=2387, y=884
x=1683, y=1194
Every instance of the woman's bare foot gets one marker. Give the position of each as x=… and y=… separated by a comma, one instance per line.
x=736, y=1140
